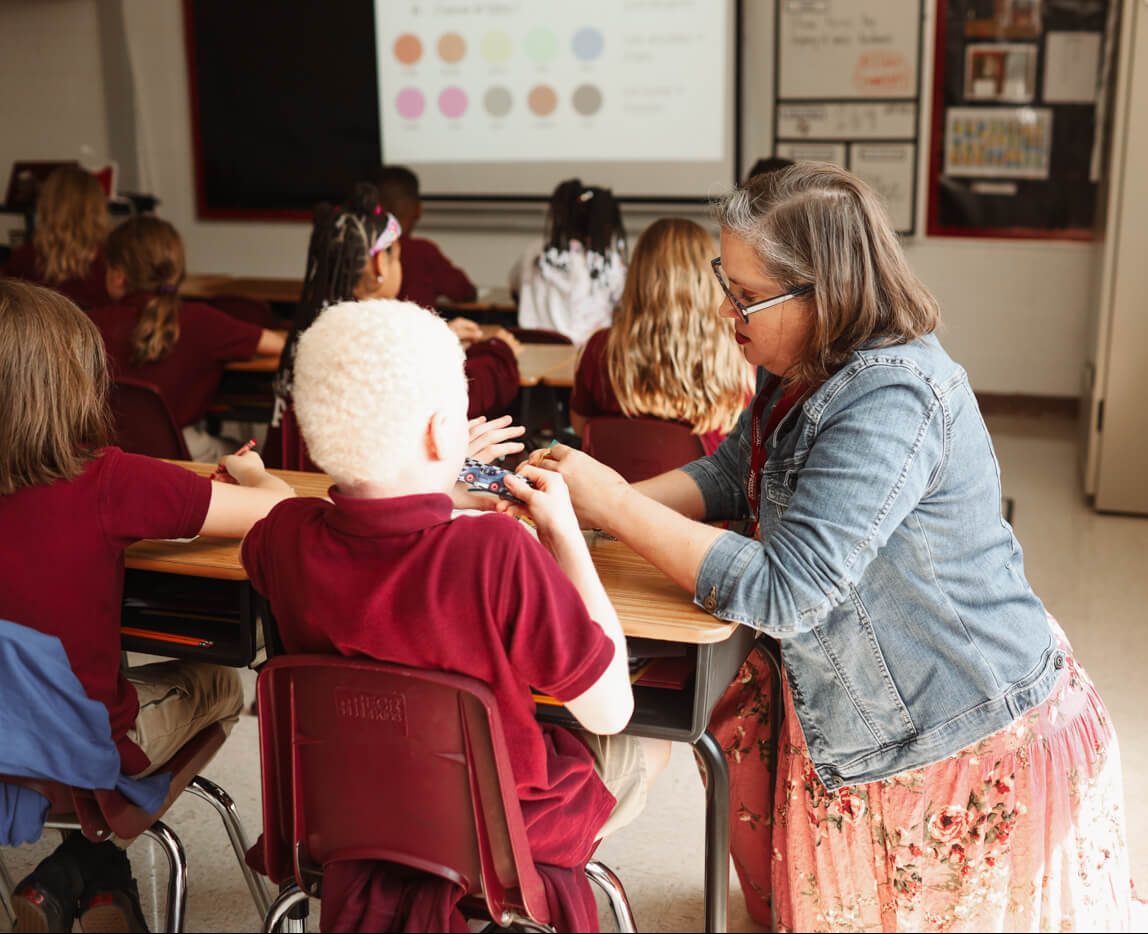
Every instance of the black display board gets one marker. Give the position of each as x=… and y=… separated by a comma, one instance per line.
x=284, y=103
x=1021, y=94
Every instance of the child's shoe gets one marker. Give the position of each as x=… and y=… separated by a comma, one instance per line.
x=108, y=911
x=45, y=901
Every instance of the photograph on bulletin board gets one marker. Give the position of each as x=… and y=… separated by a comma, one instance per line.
x=1021, y=96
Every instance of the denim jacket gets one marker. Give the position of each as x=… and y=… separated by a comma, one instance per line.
x=885, y=570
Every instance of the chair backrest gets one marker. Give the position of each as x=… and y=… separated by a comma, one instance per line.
x=639, y=448
x=368, y=760
x=539, y=336
x=143, y=422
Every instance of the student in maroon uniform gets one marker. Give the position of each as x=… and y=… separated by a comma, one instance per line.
x=179, y=346
x=427, y=273
x=666, y=355
x=69, y=507
x=384, y=571
x=66, y=252
x=356, y=253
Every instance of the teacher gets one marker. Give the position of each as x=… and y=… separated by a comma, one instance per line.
x=943, y=762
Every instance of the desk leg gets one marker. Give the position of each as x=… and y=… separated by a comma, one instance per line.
x=717, y=832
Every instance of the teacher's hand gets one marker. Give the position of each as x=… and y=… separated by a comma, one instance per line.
x=595, y=489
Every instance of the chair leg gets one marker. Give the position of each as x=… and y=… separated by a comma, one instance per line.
x=177, y=874
x=280, y=911
x=229, y=814
x=602, y=876
x=6, y=892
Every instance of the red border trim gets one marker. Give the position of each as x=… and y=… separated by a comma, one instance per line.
x=935, y=228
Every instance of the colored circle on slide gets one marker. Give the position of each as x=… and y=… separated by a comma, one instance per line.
x=452, y=102
x=587, y=99
x=588, y=44
x=497, y=47
x=541, y=46
x=410, y=103
x=451, y=47
x=408, y=49
x=497, y=101
x=542, y=100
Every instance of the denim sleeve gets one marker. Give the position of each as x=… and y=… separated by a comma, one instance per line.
x=721, y=476
x=880, y=443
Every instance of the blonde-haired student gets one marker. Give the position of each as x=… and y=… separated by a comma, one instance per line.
x=667, y=354
x=152, y=335
x=66, y=251
x=69, y=507
x=382, y=570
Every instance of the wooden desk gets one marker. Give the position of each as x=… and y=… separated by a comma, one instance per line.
x=495, y=301
x=650, y=607
x=264, y=363
x=211, y=285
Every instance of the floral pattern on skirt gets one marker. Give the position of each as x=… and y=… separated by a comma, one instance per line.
x=1022, y=830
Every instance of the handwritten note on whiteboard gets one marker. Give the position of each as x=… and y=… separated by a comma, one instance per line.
x=848, y=49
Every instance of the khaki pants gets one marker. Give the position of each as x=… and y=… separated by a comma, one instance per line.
x=177, y=700
x=621, y=764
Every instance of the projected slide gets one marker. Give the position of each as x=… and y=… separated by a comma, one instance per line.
x=523, y=81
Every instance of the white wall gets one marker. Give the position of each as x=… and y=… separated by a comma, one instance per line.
x=1016, y=312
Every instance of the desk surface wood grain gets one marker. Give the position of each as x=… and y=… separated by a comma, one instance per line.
x=649, y=604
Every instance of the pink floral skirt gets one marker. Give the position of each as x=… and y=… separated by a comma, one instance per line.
x=1021, y=831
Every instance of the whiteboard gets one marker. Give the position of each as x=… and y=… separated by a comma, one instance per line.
x=848, y=49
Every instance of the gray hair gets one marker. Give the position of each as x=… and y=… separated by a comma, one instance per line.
x=815, y=223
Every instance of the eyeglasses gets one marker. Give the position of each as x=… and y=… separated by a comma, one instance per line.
x=746, y=310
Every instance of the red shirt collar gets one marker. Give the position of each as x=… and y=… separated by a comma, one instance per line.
x=394, y=515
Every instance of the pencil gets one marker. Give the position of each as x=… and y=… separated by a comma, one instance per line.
x=167, y=637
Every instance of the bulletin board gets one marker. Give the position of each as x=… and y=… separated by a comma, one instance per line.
x=847, y=91
x=1020, y=113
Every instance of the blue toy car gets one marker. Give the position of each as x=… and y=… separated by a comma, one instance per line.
x=486, y=478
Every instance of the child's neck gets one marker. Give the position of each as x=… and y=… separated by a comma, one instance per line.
x=371, y=490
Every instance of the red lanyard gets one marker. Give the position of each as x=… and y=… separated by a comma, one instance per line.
x=757, y=441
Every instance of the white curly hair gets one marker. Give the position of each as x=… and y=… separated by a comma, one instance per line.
x=368, y=376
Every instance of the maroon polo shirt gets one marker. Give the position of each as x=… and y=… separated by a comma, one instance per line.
x=188, y=377
x=492, y=378
x=593, y=393
x=427, y=274
x=86, y=291
x=62, y=552
x=398, y=580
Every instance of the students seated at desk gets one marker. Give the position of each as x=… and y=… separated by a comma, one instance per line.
x=427, y=273
x=383, y=571
x=668, y=354
x=179, y=346
x=66, y=251
x=571, y=279
x=69, y=507
x=355, y=253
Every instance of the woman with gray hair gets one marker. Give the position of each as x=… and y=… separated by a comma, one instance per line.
x=942, y=760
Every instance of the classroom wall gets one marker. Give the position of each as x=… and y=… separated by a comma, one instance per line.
x=1016, y=313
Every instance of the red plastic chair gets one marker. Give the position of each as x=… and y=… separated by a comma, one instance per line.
x=99, y=813
x=143, y=421
x=368, y=760
x=639, y=448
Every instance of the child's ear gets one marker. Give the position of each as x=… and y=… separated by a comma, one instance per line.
x=436, y=439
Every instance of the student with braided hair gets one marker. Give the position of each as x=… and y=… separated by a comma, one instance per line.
x=571, y=280
x=355, y=254
x=180, y=347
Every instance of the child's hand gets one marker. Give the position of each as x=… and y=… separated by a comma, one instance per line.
x=491, y=440
x=465, y=330
x=245, y=469
x=547, y=505
x=509, y=339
